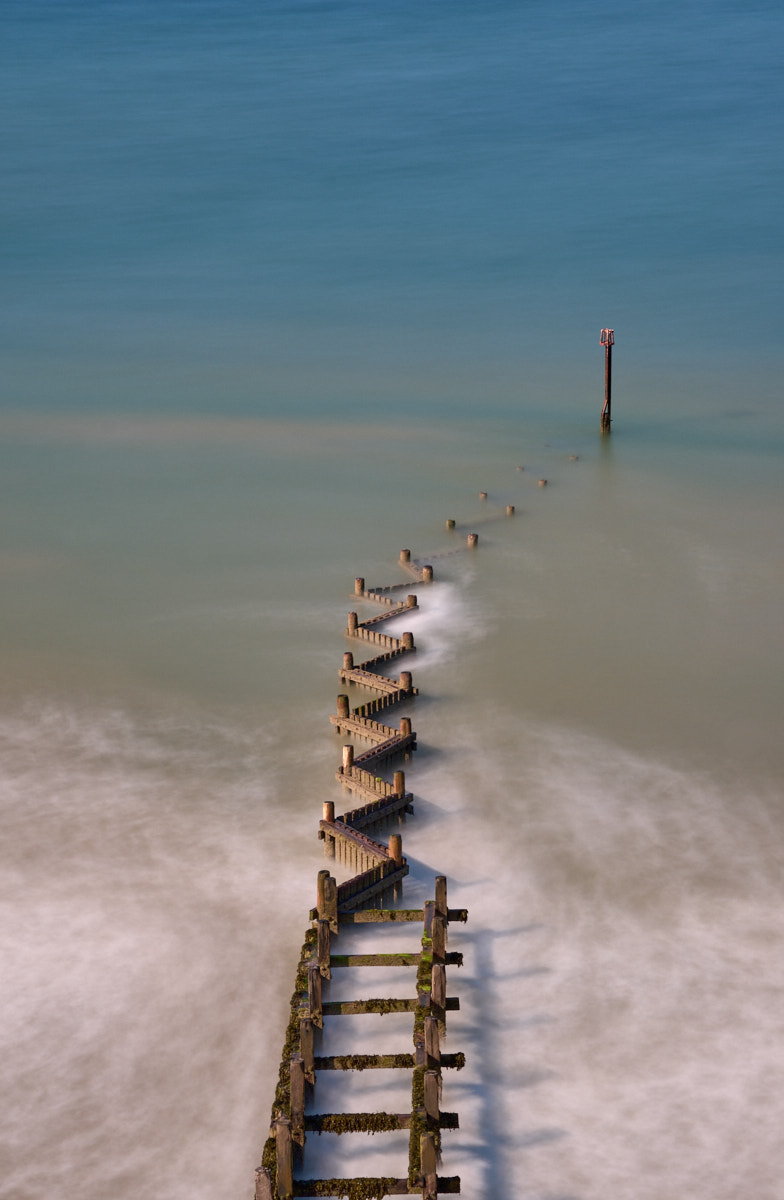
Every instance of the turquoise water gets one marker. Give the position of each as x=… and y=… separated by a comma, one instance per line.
x=286, y=287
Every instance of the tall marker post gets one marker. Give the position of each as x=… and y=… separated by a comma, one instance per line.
x=607, y=339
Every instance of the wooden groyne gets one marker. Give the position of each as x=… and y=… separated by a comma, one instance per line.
x=365, y=900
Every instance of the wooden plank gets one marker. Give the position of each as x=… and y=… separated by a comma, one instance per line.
x=345, y=1008
x=379, y=916
x=380, y=1062
x=374, y=960
x=448, y=1185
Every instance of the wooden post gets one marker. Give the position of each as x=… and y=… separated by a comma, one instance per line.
x=396, y=848
x=428, y=1158
x=405, y=726
x=328, y=814
x=433, y=1098
x=407, y=640
x=353, y=622
x=348, y=759
x=405, y=681
x=297, y=1099
x=411, y=601
x=441, y=906
x=399, y=782
x=307, y=1048
x=439, y=937
x=359, y=585
x=473, y=541
x=438, y=986
x=483, y=495
x=327, y=899
x=405, y=556
x=607, y=340
x=314, y=995
x=323, y=949
x=510, y=510
x=348, y=661
x=343, y=708
x=432, y=1044
x=427, y=573
x=285, y=1159
x=263, y=1185
x=450, y=523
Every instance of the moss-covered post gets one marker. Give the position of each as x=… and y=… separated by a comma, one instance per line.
x=307, y=1048
x=428, y=1157
x=284, y=1155
x=432, y=1044
x=438, y=989
x=297, y=1094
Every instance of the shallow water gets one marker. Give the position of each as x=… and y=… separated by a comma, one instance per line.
x=287, y=289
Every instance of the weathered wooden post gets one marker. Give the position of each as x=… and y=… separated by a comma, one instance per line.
x=297, y=1099
x=438, y=987
x=328, y=814
x=450, y=523
x=348, y=760
x=348, y=661
x=411, y=601
x=432, y=1044
x=433, y=1098
x=322, y=948
x=327, y=899
x=439, y=937
x=359, y=586
x=314, y=995
x=510, y=510
x=441, y=906
x=473, y=541
x=353, y=622
x=407, y=640
x=399, y=783
x=307, y=1048
x=405, y=726
x=284, y=1155
x=427, y=573
x=405, y=681
x=405, y=556
x=429, y=1160
x=343, y=707
x=263, y=1185
x=607, y=340
x=483, y=495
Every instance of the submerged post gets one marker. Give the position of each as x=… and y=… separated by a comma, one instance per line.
x=607, y=340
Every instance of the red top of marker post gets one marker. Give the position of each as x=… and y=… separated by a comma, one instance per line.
x=607, y=338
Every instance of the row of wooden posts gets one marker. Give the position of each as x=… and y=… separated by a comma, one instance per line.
x=366, y=900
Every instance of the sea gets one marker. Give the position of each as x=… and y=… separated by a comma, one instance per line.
x=286, y=286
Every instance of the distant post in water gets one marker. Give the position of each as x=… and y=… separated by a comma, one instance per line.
x=607, y=340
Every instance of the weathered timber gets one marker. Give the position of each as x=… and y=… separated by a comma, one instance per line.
x=370, y=1186
x=338, y=829
x=381, y=915
x=346, y=1008
x=381, y=1062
